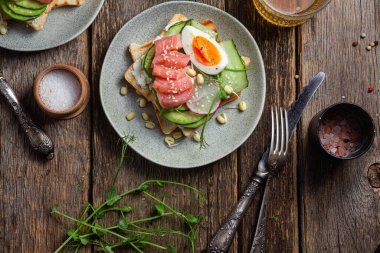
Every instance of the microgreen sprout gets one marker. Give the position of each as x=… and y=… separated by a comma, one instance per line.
x=137, y=234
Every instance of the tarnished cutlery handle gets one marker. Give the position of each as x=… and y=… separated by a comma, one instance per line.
x=223, y=238
x=37, y=138
x=259, y=239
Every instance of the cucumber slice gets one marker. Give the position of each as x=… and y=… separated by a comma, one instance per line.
x=182, y=118
x=13, y=15
x=148, y=59
x=237, y=79
x=24, y=11
x=30, y=4
x=177, y=28
x=205, y=29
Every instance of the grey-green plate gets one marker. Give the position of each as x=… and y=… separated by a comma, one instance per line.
x=150, y=144
x=63, y=25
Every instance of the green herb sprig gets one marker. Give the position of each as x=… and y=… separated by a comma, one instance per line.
x=127, y=232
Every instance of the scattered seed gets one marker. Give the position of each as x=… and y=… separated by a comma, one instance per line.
x=130, y=116
x=228, y=89
x=222, y=118
x=191, y=72
x=368, y=48
x=246, y=60
x=296, y=77
x=242, y=106
x=177, y=135
x=343, y=97
x=363, y=35
x=376, y=43
x=3, y=30
x=355, y=44
x=200, y=79
x=196, y=136
x=145, y=116
x=142, y=102
x=124, y=90
x=372, y=44
x=150, y=125
x=169, y=140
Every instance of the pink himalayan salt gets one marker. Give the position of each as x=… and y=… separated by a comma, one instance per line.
x=340, y=134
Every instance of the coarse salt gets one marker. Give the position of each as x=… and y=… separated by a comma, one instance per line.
x=60, y=90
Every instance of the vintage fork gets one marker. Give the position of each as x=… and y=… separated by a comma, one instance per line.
x=37, y=138
x=274, y=157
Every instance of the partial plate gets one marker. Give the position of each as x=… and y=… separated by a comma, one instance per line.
x=150, y=144
x=63, y=25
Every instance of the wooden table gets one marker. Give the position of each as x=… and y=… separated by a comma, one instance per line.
x=316, y=205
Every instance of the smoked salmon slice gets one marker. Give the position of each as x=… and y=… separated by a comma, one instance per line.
x=167, y=44
x=170, y=101
x=173, y=86
x=172, y=59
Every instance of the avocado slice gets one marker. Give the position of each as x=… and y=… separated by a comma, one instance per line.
x=13, y=15
x=24, y=11
x=30, y=4
x=182, y=118
x=196, y=124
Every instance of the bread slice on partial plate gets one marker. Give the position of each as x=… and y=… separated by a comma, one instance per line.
x=38, y=23
x=137, y=51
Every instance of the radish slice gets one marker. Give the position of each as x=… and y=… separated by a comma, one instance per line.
x=204, y=97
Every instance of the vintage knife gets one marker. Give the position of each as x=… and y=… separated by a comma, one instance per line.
x=37, y=138
x=223, y=238
x=294, y=115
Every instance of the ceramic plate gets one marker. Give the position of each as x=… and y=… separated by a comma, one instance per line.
x=63, y=25
x=150, y=144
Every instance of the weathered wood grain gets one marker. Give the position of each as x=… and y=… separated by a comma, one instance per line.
x=340, y=209
x=30, y=186
x=278, y=50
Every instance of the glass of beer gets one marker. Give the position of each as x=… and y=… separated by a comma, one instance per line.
x=289, y=13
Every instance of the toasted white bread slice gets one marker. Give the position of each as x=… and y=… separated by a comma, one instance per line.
x=38, y=23
x=137, y=51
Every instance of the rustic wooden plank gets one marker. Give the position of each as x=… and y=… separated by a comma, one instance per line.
x=278, y=50
x=340, y=209
x=30, y=186
x=218, y=180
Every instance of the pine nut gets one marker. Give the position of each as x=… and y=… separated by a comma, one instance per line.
x=242, y=106
x=228, y=89
x=246, y=60
x=197, y=137
x=3, y=30
x=177, y=135
x=145, y=116
x=169, y=140
x=142, y=102
x=222, y=118
x=130, y=116
x=124, y=90
x=200, y=79
x=191, y=72
x=150, y=125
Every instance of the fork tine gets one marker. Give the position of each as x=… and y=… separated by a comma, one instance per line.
x=272, y=136
x=286, y=131
x=277, y=132
x=282, y=134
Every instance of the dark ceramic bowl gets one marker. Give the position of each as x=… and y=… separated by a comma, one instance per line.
x=364, y=120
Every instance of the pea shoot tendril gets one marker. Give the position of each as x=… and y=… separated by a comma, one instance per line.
x=130, y=233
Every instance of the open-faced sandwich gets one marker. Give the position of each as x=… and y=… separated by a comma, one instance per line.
x=33, y=12
x=187, y=72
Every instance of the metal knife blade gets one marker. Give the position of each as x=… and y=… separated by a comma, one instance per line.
x=294, y=116
x=298, y=106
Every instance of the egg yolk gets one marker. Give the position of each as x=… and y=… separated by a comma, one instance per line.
x=206, y=52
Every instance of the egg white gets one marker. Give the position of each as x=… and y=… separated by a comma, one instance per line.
x=188, y=35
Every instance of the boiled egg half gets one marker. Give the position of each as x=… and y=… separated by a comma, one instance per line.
x=205, y=53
